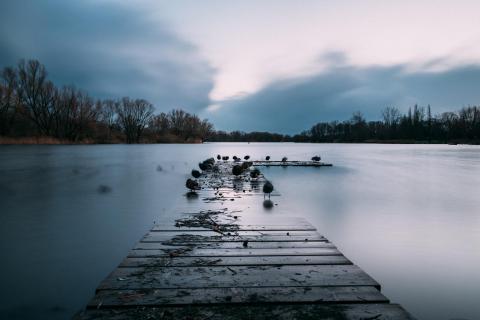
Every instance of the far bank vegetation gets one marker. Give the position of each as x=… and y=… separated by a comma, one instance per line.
x=34, y=110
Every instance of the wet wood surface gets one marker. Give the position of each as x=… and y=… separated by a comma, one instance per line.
x=291, y=163
x=264, y=311
x=301, y=226
x=233, y=261
x=258, y=275
x=214, y=264
x=192, y=246
x=160, y=297
x=234, y=252
x=251, y=236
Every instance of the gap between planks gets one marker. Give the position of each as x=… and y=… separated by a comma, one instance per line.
x=237, y=276
x=245, y=252
x=231, y=245
x=343, y=311
x=236, y=227
x=168, y=261
x=173, y=297
x=250, y=236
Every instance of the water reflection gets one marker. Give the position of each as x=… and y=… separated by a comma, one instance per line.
x=192, y=195
x=407, y=214
x=268, y=204
x=102, y=189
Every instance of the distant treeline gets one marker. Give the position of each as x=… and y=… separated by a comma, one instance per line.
x=31, y=106
x=417, y=125
x=240, y=136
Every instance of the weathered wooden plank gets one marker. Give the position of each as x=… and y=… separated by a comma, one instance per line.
x=232, y=245
x=291, y=164
x=236, y=276
x=259, y=221
x=246, y=227
x=249, y=233
x=162, y=297
x=217, y=237
x=367, y=311
x=234, y=252
x=233, y=261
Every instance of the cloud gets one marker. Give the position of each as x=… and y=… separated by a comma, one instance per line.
x=114, y=49
x=295, y=104
x=106, y=49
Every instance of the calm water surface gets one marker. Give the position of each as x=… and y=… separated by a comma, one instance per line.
x=408, y=214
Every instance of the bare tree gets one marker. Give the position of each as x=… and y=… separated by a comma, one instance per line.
x=358, y=118
x=9, y=100
x=133, y=117
x=192, y=127
x=470, y=121
x=86, y=114
x=107, y=112
x=391, y=116
x=160, y=124
x=74, y=112
x=358, y=126
x=206, y=130
x=37, y=95
x=178, y=120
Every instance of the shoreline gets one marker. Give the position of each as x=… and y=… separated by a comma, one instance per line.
x=56, y=141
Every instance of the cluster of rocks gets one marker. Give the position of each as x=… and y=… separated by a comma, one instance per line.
x=205, y=165
x=238, y=172
x=244, y=168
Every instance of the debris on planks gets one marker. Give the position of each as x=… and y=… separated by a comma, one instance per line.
x=215, y=264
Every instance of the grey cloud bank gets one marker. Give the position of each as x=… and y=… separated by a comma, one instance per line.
x=111, y=50
x=293, y=105
x=106, y=49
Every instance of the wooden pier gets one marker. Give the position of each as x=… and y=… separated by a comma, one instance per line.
x=215, y=264
x=270, y=163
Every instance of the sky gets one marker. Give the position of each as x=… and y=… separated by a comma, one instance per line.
x=255, y=65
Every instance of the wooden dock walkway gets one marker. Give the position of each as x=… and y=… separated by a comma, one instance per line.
x=213, y=264
x=271, y=163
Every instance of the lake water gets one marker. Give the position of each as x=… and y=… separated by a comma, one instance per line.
x=409, y=215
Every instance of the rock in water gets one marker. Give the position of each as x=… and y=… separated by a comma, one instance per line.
x=203, y=166
x=237, y=170
x=247, y=164
x=207, y=164
x=104, y=189
x=210, y=161
x=254, y=173
x=192, y=184
x=196, y=173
